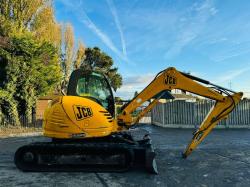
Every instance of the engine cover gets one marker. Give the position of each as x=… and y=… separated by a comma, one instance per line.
x=77, y=117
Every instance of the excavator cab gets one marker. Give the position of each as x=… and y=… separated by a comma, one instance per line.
x=94, y=86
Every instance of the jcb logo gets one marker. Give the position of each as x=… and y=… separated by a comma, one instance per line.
x=171, y=80
x=82, y=112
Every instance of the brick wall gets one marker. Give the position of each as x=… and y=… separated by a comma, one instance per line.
x=41, y=105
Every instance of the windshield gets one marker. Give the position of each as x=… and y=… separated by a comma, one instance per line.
x=94, y=85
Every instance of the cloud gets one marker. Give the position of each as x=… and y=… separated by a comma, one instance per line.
x=235, y=50
x=138, y=80
x=118, y=25
x=134, y=83
x=138, y=83
x=191, y=24
x=230, y=75
x=78, y=11
x=246, y=93
x=216, y=40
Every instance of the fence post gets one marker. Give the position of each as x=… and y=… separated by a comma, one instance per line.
x=151, y=115
x=163, y=114
x=195, y=115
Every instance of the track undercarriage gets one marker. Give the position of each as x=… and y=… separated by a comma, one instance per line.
x=115, y=153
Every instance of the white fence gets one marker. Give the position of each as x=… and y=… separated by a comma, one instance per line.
x=181, y=114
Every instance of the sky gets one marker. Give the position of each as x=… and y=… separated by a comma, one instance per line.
x=207, y=38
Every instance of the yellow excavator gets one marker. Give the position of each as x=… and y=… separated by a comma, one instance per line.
x=88, y=135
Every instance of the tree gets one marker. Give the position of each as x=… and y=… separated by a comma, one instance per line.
x=68, y=51
x=34, y=54
x=37, y=16
x=21, y=13
x=31, y=69
x=97, y=60
x=45, y=27
x=29, y=54
x=80, y=55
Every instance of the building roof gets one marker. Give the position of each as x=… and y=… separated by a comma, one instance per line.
x=184, y=96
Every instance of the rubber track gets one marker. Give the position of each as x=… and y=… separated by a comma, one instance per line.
x=53, y=149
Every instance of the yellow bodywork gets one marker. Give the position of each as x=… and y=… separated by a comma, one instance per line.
x=170, y=79
x=77, y=117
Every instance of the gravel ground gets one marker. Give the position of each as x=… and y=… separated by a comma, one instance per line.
x=223, y=159
x=21, y=131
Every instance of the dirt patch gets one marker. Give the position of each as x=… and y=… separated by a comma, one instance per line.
x=19, y=131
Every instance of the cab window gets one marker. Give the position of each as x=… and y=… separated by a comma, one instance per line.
x=94, y=85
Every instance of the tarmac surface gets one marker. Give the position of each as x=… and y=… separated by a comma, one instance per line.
x=222, y=159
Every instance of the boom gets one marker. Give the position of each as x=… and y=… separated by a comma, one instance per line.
x=170, y=79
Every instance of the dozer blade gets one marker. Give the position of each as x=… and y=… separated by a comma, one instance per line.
x=87, y=156
x=151, y=165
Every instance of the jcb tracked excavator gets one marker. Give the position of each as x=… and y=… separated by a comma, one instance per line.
x=88, y=135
